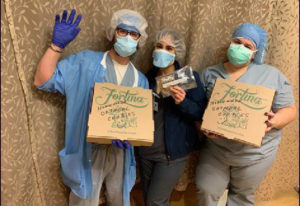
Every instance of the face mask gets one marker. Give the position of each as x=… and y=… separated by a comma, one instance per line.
x=162, y=59
x=125, y=46
x=238, y=54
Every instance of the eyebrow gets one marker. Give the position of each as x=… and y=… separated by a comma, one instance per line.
x=246, y=44
x=170, y=47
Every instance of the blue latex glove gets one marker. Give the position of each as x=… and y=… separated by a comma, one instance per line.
x=121, y=144
x=65, y=31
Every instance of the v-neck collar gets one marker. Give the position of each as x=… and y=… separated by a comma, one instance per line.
x=227, y=76
x=111, y=76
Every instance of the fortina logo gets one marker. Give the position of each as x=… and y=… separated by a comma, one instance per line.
x=131, y=99
x=244, y=96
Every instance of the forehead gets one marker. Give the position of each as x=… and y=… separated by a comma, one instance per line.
x=167, y=40
x=245, y=41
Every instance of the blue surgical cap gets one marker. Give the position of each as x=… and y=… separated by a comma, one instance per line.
x=255, y=34
x=128, y=28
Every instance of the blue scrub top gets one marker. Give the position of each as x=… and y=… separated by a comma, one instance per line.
x=264, y=75
x=74, y=77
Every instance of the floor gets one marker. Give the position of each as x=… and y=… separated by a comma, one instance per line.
x=188, y=198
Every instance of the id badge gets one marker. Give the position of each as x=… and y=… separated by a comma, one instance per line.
x=156, y=99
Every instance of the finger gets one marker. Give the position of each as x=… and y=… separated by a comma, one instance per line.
x=205, y=133
x=270, y=114
x=172, y=90
x=179, y=97
x=268, y=129
x=64, y=16
x=120, y=144
x=71, y=17
x=113, y=142
x=57, y=18
x=127, y=144
x=179, y=89
x=77, y=21
x=175, y=97
x=268, y=123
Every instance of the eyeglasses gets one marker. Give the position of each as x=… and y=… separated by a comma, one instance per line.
x=124, y=32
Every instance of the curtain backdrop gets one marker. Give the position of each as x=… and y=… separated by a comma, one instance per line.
x=32, y=126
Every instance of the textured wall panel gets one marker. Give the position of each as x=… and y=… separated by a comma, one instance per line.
x=33, y=121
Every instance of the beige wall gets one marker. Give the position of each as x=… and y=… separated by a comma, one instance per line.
x=32, y=126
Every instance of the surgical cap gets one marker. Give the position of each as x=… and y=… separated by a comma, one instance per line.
x=255, y=34
x=130, y=18
x=174, y=39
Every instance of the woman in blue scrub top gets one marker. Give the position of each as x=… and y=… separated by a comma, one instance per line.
x=227, y=164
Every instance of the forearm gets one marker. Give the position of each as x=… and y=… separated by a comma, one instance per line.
x=285, y=116
x=193, y=109
x=46, y=66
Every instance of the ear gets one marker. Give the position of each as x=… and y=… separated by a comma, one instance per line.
x=253, y=55
x=114, y=39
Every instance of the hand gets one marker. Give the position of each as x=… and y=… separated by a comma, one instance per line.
x=123, y=145
x=178, y=94
x=272, y=121
x=65, y=31
x=212, y=135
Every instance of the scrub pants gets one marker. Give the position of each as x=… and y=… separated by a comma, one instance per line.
x=159, y=179
x=213, y=176
x=107, y=166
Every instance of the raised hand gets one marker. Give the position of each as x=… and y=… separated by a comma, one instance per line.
x=65, y=30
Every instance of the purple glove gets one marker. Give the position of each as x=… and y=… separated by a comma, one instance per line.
x=65, y=31
x=123, y=145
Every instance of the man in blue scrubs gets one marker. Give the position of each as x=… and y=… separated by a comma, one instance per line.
x=85, y=166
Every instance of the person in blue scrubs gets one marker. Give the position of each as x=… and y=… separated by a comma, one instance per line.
x=228, y=164
x=175, y=135
x=85, y=166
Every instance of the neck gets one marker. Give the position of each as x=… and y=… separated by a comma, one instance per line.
x=231, y=69
x=170, y=69
x=121, y=60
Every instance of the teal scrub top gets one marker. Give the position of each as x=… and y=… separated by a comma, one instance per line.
x=264, y=75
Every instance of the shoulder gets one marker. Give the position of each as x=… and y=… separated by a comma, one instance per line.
x=84, y=55
x=140, y=74
x=142, y=81
x=211, y=69
x=90, y=54
x=210, y=73
x=267, y=70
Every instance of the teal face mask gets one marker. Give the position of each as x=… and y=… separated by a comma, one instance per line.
x=125, y=46
x=162, y=59
x=238, y=54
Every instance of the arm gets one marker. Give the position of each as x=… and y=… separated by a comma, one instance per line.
x=46, y=66
x=281, y=117
x=64, y=32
